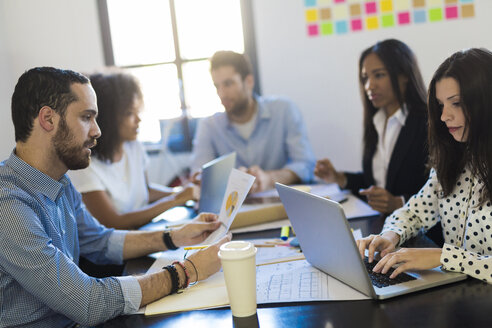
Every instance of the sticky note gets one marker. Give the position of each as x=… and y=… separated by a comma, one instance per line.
x=402, y=4
x=340, y=12
x=388, y=20
x=325, y=2
x=372, y=23
x=452, y=12
x=313, y=30
x=355, y=10
x=371, y=7
x=466, y=1
x=404, y=18
x=325, y=13
x=339, y=1
x=356, y=24
x=435, y=14
x=311, y=15
x=386, y=6
x=341, y=27
x=326, y=28
x=419, y=16
x=418, y=3
x=434, y=3
x=450, y=2
x=467, y=11
x=309, y=3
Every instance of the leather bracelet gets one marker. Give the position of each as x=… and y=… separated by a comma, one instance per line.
x=187, y=276
x=168, y=241
x=174, y=278
x=196, y=272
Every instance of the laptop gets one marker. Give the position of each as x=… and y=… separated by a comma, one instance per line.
x=214, y=182
x=327, y=242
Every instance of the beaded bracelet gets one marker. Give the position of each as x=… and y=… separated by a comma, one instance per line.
x=168, y=241
x=187, y=276
x=196, y=272
x=174, y=278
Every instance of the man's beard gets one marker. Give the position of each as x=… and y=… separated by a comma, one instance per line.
x=74, y=157
x=240, y=107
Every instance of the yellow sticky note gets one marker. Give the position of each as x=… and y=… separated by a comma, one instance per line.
x=311, y=15
x=372, y=23
x=386, y=5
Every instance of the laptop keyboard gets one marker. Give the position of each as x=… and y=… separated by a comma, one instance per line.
x=383, y=280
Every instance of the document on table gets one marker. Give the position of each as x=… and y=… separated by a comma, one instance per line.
x=276, y=282
x=238, y=186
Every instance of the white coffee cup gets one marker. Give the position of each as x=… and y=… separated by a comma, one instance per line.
x=239, y=265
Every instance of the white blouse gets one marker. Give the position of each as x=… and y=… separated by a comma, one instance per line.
x=467, y=226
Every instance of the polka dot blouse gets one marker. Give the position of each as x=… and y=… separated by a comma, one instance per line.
x=467, y=226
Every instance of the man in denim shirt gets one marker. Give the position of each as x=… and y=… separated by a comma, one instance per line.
x=267, y=133
x=44, y=225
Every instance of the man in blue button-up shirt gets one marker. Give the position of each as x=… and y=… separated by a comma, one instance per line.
x=267, y=133
x=45, y=227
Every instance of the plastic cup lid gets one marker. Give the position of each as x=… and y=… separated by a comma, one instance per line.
x=237, y=250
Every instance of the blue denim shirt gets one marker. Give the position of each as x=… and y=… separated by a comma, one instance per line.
x=44, y=228
x=279, y=140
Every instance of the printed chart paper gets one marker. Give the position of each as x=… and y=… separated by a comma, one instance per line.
x=238, y=186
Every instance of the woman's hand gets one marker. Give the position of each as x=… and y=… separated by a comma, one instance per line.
x=196, y=231
x=205, y=261
x=381, y=200
x=409, y=259
x=189, y=192
x=326, y=171
x=384, y=244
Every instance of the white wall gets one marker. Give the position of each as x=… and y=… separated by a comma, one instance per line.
x=60, y=33
x=320, y=73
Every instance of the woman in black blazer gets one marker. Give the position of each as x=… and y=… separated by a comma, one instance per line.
x=395, y=129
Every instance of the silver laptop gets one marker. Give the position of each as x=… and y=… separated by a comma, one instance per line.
x=214, y=182
x=328, y=244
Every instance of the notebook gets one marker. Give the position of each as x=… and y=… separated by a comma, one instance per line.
x=327, y=242
x=214, y=182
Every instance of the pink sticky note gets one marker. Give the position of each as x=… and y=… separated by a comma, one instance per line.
x=404, y=18
x=451, y=12
x=356, y=24
x=371, y=7
x=339, y=1
x=313, y=30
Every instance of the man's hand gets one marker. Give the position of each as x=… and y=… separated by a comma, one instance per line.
x=409, y=259
x=206, y=261
x=196, y=231
x=384, y=244
x=325, y=170
x=263, y=179
x=381, y=200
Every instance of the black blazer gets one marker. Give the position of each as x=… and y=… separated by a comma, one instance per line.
x=407, y=171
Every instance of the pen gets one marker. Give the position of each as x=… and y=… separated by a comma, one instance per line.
x=284, y=233
x=195, y=247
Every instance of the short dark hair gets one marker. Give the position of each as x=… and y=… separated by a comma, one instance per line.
x=240, y=62
x=116, y=92
x=39, y=87
x=472, y=70
x=398, y=59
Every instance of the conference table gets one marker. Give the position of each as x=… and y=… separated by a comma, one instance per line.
x=461, y=304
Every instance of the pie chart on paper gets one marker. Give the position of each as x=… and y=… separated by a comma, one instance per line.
x=231, y=203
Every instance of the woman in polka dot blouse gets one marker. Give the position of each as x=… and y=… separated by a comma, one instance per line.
x=458, y=192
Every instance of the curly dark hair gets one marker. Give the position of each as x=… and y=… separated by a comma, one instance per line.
x=116, y=92
x=472, y=70
x=39, y=87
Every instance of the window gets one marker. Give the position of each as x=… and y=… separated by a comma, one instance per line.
x=166, y=45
